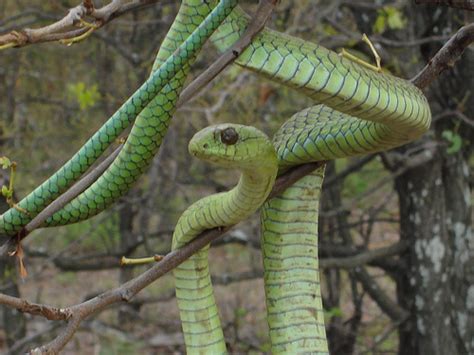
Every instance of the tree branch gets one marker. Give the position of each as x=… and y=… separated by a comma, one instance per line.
x=77, y=313
x=460, y=4
x=386, y=304
x=255, y=26
x=48, y=312
x=65, y=28
x=363, y=258
x=446, y=57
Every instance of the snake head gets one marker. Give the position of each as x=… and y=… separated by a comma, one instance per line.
x=233, y=145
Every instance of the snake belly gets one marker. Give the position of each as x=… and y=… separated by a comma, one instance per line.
x=295, y=312
x=154, y=103
x=231, y=146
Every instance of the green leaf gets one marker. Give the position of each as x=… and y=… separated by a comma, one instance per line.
x=329, y=30
x=334, y=312
x=395, y=19
x=86, y=97
x=454, y=139
x=6, y=192
x=380, y=23
x=389, y=17
x=5, y=162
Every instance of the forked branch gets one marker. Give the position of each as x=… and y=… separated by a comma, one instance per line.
x=73, y=26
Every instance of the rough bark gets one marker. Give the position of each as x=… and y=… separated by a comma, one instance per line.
x=435, y=214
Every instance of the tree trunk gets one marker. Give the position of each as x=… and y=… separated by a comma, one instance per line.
x=435, y=216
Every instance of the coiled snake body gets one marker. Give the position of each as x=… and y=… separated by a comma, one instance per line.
x=363, y=112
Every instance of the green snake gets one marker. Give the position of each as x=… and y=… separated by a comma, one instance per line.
x=374, y=112
x=227, y=145
x=151, y=107
x=363, y=112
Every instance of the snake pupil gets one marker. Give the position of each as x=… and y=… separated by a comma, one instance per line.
x=229, y=136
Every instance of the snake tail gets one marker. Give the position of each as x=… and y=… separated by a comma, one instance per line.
x=231, y=146
x=291, y=274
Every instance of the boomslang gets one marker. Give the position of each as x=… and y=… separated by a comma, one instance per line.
x=154, y=104
x=227, y=145
x=361, y=111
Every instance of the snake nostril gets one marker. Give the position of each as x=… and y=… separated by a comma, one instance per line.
x=205, y=146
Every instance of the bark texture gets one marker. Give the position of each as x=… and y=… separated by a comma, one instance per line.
x=436, y=214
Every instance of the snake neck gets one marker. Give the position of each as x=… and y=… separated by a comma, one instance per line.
x=198, y=311
x=251, y=191
x=227, y=208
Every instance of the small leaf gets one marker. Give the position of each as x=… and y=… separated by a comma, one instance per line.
x=395, y=19
x=6, y=191
x=5, y=162
x=329, y=30
x=380, y=23
x=454, y=139
x=85, y=96
x=389, y=17
x=20, y=255
x=334, y=312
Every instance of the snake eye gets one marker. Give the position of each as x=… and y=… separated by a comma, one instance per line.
x=229, y=136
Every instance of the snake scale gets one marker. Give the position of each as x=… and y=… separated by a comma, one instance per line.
x=359, y=112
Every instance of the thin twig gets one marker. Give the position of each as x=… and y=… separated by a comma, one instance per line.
x=48, y=312
x=446, y=57
x=63, y=29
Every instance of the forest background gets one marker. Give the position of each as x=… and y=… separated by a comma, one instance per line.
x=397, y=248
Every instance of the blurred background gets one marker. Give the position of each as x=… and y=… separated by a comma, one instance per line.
x=396, y=243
